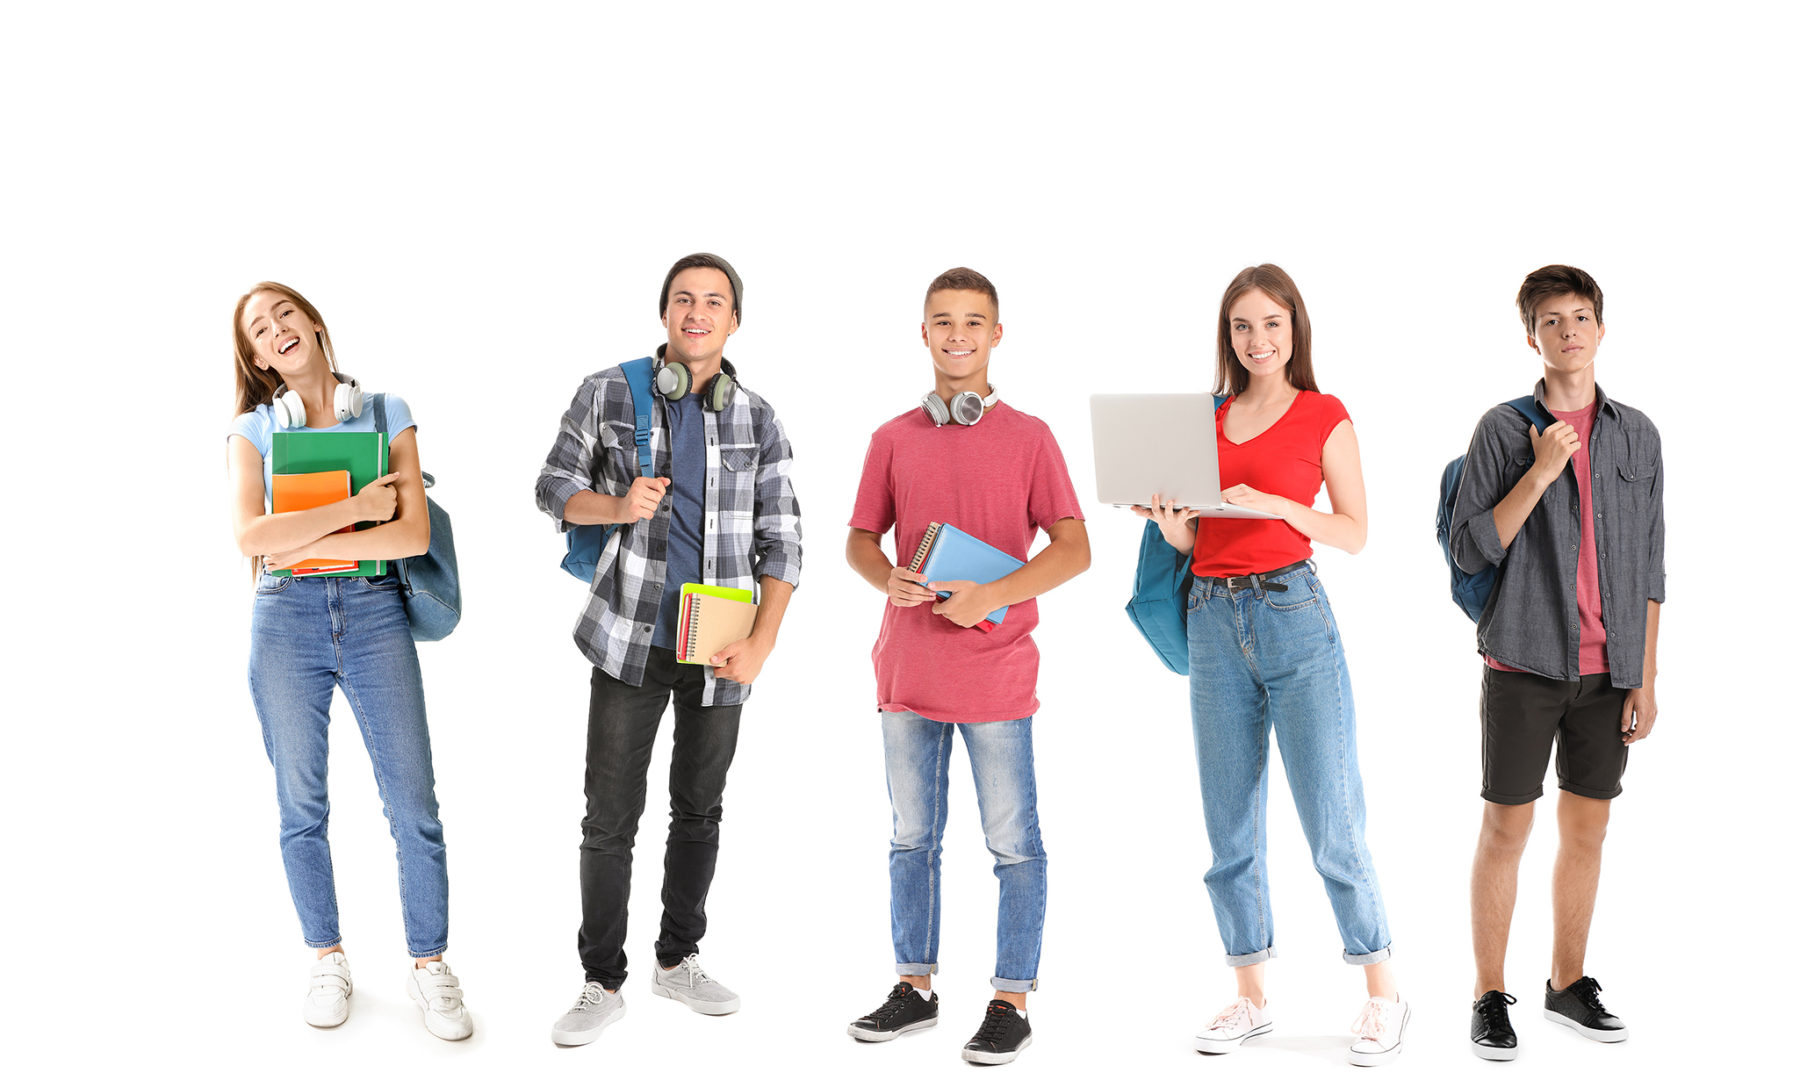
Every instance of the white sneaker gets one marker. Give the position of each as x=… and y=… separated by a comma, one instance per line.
x=590, y=1014
x=1235, y=1023
x=1378, y=1031
x=688, y=984
x=440, y=997
x=328, y=991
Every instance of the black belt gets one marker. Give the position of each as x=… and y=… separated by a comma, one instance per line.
x=1250, y=581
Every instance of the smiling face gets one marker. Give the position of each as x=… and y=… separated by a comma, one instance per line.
x=282, y=338
x=960, y=328
x=699, y=316
x=1566, y=332
x=1262, y=333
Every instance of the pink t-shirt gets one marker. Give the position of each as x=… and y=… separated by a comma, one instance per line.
x=999, y=481
x=1587, y=561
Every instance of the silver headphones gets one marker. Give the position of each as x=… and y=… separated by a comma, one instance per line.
x=966, y=408
x=290, y=411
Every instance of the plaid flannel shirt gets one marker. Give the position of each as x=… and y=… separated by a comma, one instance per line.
x=752, y=517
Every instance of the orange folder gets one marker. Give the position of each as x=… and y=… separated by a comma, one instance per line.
x=304, y=491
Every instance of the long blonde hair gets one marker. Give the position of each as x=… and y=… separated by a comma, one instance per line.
x=255, y=385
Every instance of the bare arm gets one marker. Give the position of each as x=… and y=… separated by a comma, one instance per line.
x=1066, y=556
x=638, y=504
x=406, y=533
x=259, y=532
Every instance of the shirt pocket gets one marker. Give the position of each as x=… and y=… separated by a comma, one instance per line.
x=1635, y=482
x=738, y=479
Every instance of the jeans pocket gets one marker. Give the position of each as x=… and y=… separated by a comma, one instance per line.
x=269, y=584
x=385, y=583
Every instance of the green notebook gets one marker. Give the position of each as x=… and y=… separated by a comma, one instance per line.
x=363, y=453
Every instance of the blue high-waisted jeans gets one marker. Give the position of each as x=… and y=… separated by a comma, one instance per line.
x=918, y=776
x=308, y=635
x=1261, y=658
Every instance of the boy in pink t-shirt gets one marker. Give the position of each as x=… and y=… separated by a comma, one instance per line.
x=967, y=460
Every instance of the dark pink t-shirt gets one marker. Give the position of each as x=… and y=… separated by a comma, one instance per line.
x=999, y=481
x=1587, y=560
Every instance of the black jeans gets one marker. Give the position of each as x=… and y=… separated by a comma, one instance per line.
x=622, y=723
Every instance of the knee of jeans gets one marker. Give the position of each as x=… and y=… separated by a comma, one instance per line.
x=1014, y=854
x=606, y=833
x=916, y=837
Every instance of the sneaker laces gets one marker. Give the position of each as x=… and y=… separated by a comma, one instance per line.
x=896, y=999
x=993, y=1026
x=1587, y=989
x=592, y=994
x=1372, y=1023
x=1230, y=1014
x=1492, y=1007
x=695, y=974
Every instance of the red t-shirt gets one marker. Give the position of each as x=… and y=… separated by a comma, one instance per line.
x=1284, y=460
x=999, y=481
x=1587, y=561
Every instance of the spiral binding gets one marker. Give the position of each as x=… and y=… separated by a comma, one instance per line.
x=924, y=546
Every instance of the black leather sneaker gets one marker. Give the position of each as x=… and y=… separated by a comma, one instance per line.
x=904, y=1010
x=1579, y=1007
x=1491, y=1033
x=1004, y=1032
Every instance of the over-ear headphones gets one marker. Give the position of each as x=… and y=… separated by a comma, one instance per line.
x=966, y=408
x=674, y=380
x=290, y=411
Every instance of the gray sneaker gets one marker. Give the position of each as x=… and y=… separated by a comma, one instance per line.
x=686, y=983
x=588, y=1017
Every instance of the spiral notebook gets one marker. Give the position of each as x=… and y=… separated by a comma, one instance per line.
x=712, y=617
x=949, y=554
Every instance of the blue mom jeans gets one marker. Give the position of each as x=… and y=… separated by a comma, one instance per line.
x=918, y=775
x=1262, y=658
x=307, y=636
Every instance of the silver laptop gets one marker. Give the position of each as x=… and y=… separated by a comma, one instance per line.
x=1159, y=444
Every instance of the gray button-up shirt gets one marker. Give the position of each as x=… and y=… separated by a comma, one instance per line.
x=1531, y=621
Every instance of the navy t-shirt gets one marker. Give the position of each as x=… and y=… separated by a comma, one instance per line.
x=686, y=498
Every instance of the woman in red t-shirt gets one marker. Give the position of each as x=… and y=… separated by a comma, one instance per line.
x=1264, y=652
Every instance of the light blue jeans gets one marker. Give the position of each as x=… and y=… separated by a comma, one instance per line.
x=1261, y=658
x=918, y=777
x=308, y=635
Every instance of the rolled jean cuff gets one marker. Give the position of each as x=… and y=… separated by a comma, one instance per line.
x=1364, y=959
x=439, y=951
x=336, y=940
x=1013, y=986
x=915, y=969
x=1251, y=958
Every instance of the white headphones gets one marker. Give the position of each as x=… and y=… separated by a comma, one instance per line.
x=290, y=412
x=966, y=408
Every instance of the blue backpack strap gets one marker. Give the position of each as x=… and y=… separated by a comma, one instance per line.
x=1528, y=407
x=1219, y=401
x=637, y=377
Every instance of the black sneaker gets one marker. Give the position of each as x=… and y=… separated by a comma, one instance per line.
x=903, y=1011
x=1004, y=1032
x=1579, y=1007
x=1490, y=1030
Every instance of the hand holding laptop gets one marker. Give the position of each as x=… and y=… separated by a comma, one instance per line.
x=1175, y=521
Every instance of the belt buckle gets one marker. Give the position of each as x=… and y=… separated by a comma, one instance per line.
x=1238, y=584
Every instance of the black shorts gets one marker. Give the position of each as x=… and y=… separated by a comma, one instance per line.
x=1522, y=715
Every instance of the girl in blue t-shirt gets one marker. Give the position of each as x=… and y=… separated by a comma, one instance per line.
x=309, y=634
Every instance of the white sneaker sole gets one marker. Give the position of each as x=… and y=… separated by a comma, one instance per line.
x=1494, y=1053
x=582, y=1038
x=866, y=1035
x=1382, y=1057
x=1205, y=1045
x=705, y=1008
x=443, y=1027
x=990, y=1057
x=1586, y=1032
x=327, y=1020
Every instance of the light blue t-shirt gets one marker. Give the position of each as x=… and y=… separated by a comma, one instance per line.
x=258, y=426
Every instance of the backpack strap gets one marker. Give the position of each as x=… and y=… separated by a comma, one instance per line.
x=1528, y=407
x=1219, y=401
x=637, y=377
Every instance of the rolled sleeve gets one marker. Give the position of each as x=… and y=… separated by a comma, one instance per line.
x=777, y=527
x=1474, y=540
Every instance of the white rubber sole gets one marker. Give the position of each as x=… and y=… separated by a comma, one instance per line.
x=327, y=1020
x=1586, y=1032
x=1204, y=1045
x=989, y=1057
x=582, y=1038
x=705, y=1008
x=447, y=1030
x=1494, y=1053
x=865, y=1035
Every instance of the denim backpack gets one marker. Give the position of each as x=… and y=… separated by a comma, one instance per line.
x=1158, y=604
x=586, y=542
x=1471, y=591
x=430, y=587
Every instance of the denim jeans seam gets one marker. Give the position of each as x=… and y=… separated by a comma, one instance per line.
x=381, y=788
x=940, y=767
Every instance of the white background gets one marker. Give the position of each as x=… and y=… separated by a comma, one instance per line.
x=483, y=205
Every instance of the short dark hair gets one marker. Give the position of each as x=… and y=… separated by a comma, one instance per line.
x=1231, y=376
x=1555, y=280
x=711, y=262
x=961, y=277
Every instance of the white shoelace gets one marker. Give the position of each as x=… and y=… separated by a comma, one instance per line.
x=1231, y=1014
x=691, y=965
x=592, y=994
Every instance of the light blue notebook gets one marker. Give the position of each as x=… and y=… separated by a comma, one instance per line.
x=949, y=554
